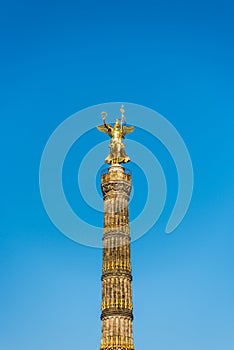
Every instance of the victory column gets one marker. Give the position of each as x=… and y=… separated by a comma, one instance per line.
x=116, y=186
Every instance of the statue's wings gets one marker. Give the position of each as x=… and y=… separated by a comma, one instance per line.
x=106, y=129
x=128, y=129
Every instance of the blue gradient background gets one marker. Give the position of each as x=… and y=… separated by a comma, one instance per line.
x=173, y=56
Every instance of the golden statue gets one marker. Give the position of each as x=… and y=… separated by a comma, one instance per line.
x=117, y=133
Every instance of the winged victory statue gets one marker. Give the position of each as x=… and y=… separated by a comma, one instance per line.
x=117, y=133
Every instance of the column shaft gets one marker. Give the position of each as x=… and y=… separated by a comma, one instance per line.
x=117, y=307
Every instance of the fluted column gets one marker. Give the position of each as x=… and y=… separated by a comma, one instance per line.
x=117, y=308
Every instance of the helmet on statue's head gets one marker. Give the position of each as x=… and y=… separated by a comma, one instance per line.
x=117, y=124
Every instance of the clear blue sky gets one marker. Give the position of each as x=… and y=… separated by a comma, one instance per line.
x=173, y=56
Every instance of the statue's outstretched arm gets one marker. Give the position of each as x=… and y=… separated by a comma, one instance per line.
x=108, y=126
